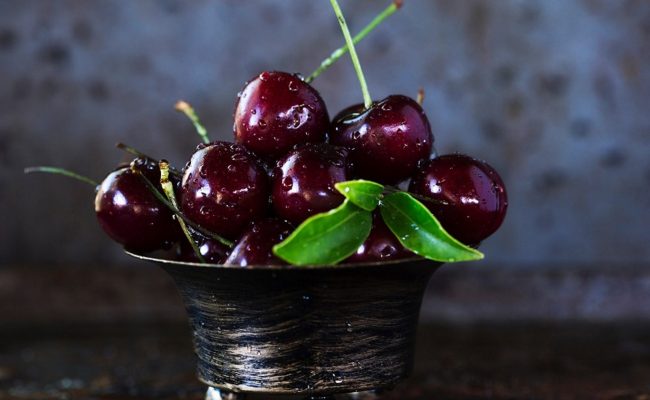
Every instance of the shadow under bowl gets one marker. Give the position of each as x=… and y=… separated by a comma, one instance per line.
x=302, y=330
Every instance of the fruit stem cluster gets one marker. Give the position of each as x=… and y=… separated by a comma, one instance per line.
x=338, y=53
x=168, y=189
x=367, y=100
x=138, y=153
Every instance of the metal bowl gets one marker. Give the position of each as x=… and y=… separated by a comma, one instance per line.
x=305, y=331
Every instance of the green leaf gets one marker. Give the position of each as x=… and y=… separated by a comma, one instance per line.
x=419, y=231
x=326, y=238
x=364, y=194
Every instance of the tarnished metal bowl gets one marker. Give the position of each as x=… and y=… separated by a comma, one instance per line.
x=304, y=331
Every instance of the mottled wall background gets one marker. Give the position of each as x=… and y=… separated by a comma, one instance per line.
x=555, y=94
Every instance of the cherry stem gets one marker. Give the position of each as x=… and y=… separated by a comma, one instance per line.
x=168, y=189
x=338, y=53
x=138, y=153
x=187, y=109
x=367, y=100
x=132, y=150
x=393, y=189
x=179, y=214
x=420, y=98
x=61, y=171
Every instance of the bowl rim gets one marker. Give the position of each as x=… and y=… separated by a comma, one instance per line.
x=372, y=264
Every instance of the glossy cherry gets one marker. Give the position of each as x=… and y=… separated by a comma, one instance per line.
x=470, y=197
x=130, y=214
x=387, y=141
x=255, y=247
x=381, y=245
x=303, y=181
x=276, y=111
x=224, y=188
x=211, y=250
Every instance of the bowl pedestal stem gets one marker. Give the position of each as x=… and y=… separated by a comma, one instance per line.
x=216, y=394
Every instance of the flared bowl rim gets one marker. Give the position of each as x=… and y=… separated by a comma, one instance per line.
x=284, y=267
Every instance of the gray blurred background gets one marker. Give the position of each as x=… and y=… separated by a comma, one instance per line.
x=554, y=94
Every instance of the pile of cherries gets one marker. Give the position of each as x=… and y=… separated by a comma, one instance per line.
x=281, y=169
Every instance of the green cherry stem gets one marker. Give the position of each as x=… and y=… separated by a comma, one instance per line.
x=61, y=171
x=168, y=189
x=132, y=150
x=187, y=109
x=392, y=189
x=338, y=53
x=179, y=214
x=367, y=100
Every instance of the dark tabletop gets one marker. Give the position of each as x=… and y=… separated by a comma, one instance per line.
x=506, y=360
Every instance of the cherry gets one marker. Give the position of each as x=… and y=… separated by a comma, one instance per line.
x=303, y=181
x=471, y=199
x=213, y=251
x=130, y=214
x=387, y=141
x=255, y=247
x=224, y=187
x=277, y=111
x=381, y=245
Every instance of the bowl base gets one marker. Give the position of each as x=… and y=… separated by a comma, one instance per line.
x=218, y=394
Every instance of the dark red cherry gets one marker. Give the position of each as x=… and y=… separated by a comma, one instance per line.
x=224, y=188
x=276, y=111
x=130, y=214
x=255, y=247
x=211, y=250
x=303, y=181
x=387, y=141
x=470, y=197
x=381, y=245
